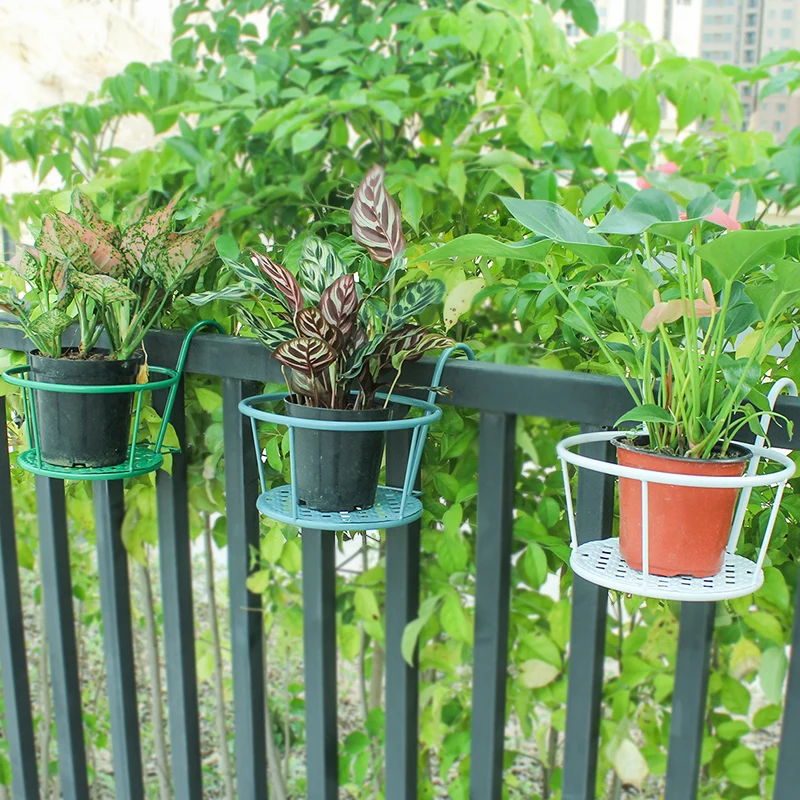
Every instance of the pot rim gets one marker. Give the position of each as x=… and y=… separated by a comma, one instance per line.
x=619, y=442
x=379, y=413
x=137, y=356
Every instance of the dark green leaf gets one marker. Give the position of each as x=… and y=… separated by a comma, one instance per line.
x=415, y=298
x=647, y=413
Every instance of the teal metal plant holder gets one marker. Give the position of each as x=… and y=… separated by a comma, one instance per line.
x=394, y=506
x=142, y=457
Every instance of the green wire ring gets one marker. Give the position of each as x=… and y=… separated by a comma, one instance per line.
x=142, y=458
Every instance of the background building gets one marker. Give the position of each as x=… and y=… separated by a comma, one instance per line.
x=735, y=32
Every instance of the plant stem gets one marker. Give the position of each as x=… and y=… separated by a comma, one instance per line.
x=548, y=766
x=219, y=686
x=277, y=787
x=590, y=330
x=287, y=724
x=156, y=694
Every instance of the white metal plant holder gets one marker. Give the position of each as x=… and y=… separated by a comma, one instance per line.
x=600, y=561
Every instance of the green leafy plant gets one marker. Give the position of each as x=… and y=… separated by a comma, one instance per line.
x=685, y=307
x=85, y=270
x=333, y=330
x=461, y=100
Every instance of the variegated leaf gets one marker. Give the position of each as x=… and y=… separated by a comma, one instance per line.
x=62, y=240
x=26, y=262
x=281, y=279
x=172, y=257
x=9, y=301
x=377, y=224
x=414, y=300
x=308, y=385
x=47, y=241
x=406, y=338
x=360, y=356
x=55, y=274
x=272, y=336
x=105, y=258
x=102, y=288
x=50, y=325
x=91, y=217
x=359, y=336
x=235, y=291
x=417, y=345
x=339, y=304
x=137, y=237
x=306, y=354
x=310, y=322
x=319, y=265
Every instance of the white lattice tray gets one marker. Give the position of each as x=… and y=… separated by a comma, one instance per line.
x=600, y=562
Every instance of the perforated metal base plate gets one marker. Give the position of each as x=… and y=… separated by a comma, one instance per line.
x=277, y=504
x=600, y=562
x=144, y=461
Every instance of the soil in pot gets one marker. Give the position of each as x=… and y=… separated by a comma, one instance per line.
x=338, y=470
x=688, y=526
x=84, y=430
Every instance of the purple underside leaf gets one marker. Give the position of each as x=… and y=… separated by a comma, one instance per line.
x=376, y=219
x=308, y=385
x=306, y=354
x=281, y=279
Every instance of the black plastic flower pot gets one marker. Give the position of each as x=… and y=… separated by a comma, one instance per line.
x=338, y=470
x=84, y=430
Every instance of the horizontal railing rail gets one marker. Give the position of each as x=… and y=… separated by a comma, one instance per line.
x=485, y=386
x=500, y=393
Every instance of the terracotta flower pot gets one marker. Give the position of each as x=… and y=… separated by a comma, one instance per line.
x=688, y=526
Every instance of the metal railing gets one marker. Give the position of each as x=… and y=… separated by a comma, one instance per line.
x=500, y=393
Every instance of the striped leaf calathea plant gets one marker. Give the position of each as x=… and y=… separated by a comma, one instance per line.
x=335, y=332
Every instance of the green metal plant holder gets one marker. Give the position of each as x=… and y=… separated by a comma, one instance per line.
x=393, y=506
x=143, y=457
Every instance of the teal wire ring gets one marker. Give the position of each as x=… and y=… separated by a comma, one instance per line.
x=394, y=505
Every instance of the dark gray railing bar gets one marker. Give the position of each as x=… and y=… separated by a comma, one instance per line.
x=319, y=658
x=689, y=697
x=60, y=628
x=522, y=390
x=16, y=687
x=497, y=476
x=595, y=511
x=787, y=777
x=115, y=601
x=402, y=606
x=176, y=597
x=247, y=624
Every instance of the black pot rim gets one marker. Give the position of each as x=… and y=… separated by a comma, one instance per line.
x=136, y=357
x=379, y=413
x=621, y=443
